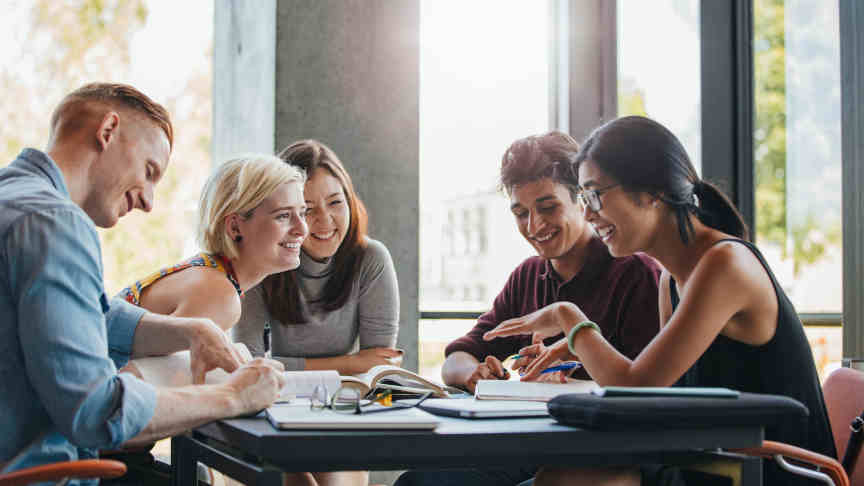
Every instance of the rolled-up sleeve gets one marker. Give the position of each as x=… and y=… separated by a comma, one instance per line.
x=122, y=319
x=57, y=282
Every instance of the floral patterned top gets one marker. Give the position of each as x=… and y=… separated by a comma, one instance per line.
x=132, y=293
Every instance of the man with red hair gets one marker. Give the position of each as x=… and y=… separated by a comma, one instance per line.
x=61, y=339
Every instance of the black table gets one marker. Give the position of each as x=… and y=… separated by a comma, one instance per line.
x=252, y=451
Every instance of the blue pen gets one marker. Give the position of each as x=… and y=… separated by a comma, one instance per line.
x=570, y=365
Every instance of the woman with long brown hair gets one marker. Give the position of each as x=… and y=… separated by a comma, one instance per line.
x=340, y=309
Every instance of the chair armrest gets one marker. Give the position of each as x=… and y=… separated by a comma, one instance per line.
x=89, y=468
x=828, y=465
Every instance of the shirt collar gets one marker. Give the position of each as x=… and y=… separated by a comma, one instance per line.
x=313, y=268
x=595, y=261
x=39, y=163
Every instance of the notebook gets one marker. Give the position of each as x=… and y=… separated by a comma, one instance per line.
x=300, y=417
x=471, y=408
x=528, y=390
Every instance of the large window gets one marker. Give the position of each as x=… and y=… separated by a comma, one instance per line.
x=797, y=156
x=659, y=67
x=48, y=48
x=484, y=83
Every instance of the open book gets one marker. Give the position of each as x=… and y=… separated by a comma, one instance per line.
x=397, y=379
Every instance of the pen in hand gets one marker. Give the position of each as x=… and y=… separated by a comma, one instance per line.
x=567, y=366
x=267, y=353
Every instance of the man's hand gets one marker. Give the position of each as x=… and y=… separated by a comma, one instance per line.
x=210, y=348
x=363, y=360
x=257, y=384
x=490, y=369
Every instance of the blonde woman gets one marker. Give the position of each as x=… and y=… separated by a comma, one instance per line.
x=252, y=222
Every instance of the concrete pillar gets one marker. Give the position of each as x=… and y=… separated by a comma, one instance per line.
x=345, y=72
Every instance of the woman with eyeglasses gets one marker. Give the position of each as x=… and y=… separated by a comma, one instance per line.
x=726, y=321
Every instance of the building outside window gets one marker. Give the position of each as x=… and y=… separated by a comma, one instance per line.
x=483, y=84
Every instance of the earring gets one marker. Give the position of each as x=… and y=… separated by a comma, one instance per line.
x=238, y=239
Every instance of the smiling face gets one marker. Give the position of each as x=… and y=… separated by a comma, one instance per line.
x=125, y=173
x=328, y=214
x=549, y=218
x=626, y=222
x=272, y=236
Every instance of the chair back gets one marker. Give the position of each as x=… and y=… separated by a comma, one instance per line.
x=844, y=398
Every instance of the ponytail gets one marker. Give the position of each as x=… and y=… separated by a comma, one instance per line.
x=644, y=156
x=714, y=209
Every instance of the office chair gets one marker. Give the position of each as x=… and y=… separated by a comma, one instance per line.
x=844, y=399
x=63, y=471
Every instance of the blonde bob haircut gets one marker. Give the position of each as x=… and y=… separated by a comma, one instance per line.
x=238, y=187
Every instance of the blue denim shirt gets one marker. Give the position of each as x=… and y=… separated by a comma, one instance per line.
x=61, y=341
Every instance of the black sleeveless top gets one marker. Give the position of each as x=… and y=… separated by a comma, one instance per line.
x=782, y=366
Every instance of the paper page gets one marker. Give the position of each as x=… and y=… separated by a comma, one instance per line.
x=174, y=370
x=398, y=376
x=301, y=384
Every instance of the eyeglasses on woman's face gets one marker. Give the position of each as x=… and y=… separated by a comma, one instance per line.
x=350, y=400
x=591, y=197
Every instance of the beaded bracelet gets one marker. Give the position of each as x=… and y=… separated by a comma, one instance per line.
x=572, y=334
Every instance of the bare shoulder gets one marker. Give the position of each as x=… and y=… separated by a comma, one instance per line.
x=733, y=265
x=203, y=292
x=210, y=282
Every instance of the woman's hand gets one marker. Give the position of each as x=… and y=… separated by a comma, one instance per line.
x=527, y=355
x=362, y=360
x=540, y=324
x=546, y=357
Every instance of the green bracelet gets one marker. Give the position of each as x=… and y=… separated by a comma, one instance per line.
x=572, y=334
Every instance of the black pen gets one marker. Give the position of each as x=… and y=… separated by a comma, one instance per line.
x=267, y=353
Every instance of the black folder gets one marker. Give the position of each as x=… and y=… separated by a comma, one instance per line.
x=661, y=412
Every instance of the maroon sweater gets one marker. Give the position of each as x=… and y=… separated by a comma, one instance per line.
x=619, y=294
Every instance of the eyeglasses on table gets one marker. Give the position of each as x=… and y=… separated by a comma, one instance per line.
x=350, y=400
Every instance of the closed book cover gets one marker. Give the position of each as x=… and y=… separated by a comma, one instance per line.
x=302, y=417
x=472, y=408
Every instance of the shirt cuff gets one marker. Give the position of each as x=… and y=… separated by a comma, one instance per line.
x=136, y=409
x=122, y=319
x=473, y=349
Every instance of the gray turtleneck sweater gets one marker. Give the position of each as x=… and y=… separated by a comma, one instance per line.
x=369, y=318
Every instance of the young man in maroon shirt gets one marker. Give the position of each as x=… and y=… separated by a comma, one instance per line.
x=572, y=265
